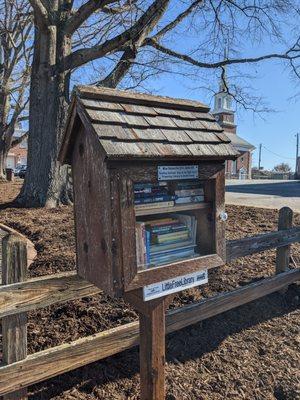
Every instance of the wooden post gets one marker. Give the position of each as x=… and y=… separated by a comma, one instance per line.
x=152, y=344
x=285, y=221
x=152, y=353
x=14, y=328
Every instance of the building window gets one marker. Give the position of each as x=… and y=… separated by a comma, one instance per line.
x=220, y=103
x=233, y=167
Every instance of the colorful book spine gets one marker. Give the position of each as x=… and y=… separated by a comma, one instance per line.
x=168, y=228
x=148, y=239
x=189, y=192
x=150, y=200
x=150, y=206
x=141, y=195
x=190, y=199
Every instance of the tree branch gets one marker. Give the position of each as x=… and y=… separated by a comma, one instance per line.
x=177, y=20
x=83, y=13
x=190, y=60
x=19, y=140
x=120, y=70
x=40, y=12
x=119, y=42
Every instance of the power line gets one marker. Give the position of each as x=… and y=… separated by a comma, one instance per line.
x=278, y=155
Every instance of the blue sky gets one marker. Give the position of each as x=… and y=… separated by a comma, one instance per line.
x=275, y=130
x=269, y=79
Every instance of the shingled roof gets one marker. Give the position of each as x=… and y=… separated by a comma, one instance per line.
x=134, y=125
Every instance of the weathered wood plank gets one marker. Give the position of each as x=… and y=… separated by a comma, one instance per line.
x=283, y=253
x=48, y=290
x=152, y=352
x=48, y=363
x=14, y=327
x=256, y=244
x=158, y=274
x=122, y=96
x=43, y=292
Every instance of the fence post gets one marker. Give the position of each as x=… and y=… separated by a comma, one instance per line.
x=285, y=221
x=14, y=328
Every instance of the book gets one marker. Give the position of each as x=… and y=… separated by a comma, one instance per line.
x=189, y=192
x=190, y=199
x=155, y=199
x=149, y=185
x=142, y=195
x=141, y=243
x=166, y=259
x=168, y=228
x=172, y=237
x=161, y=248
x=150, y=206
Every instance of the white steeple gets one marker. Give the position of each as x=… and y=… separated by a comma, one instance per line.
x=223, y=100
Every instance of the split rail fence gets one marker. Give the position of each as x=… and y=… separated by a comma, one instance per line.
x=18, y=296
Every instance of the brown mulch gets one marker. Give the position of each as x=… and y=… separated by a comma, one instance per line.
x=249, y=353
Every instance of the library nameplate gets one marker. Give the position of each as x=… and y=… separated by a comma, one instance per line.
x=174, y=285
x=177, y=172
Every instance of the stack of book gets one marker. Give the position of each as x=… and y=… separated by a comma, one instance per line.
x=150, y=195
x=189, y=192
x=165, y=240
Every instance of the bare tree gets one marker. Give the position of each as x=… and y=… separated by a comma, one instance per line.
x=282, y=167
x=15, y=28
x=121, y=38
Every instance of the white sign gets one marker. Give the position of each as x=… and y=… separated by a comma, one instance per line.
x=167, y=172
x=174, y=285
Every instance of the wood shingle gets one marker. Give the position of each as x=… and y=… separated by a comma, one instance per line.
x=132, y=125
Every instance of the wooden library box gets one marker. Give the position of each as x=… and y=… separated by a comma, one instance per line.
x=148, y=177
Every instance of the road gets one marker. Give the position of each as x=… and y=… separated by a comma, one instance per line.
x=264, y=193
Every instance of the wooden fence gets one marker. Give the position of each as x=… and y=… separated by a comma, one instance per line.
x=18, y=296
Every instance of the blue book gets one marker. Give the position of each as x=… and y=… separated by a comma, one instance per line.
x=148, y=238
x=150, y=194
x=162, y=248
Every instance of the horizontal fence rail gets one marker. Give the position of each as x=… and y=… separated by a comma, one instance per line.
x=48, y=290
x=17, y=299
x=55, y=361
x=257, y=244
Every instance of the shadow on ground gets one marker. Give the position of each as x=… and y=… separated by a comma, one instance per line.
x=192, y=343
x=283, y=189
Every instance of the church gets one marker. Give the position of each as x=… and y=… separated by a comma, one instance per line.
x=224, y=114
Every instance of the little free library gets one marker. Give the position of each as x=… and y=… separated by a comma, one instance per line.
x=148, y=176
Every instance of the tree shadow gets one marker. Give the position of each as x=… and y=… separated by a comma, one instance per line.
x=189, y=343
x=282, y=189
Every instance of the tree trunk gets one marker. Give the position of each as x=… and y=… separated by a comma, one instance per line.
x=3, y=156
x=45, y=181
x=4, y=148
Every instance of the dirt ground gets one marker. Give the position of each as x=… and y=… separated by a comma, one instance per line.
x=249, y=353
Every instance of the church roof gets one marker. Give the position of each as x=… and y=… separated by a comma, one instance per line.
x=134, y=125
x=239, y=143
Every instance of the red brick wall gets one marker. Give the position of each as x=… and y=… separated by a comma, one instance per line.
x=243, y=161
x=18, y=152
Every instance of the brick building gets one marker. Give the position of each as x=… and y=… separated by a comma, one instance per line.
x=17, y=155
x=240, y=168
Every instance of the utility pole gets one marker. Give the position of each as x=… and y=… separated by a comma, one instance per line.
x=259, y=159
x=297, y=154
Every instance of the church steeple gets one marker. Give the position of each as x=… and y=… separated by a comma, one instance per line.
x=223, y=110
x=223, y=100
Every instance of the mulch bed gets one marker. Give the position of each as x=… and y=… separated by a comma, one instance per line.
x=249, y=353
